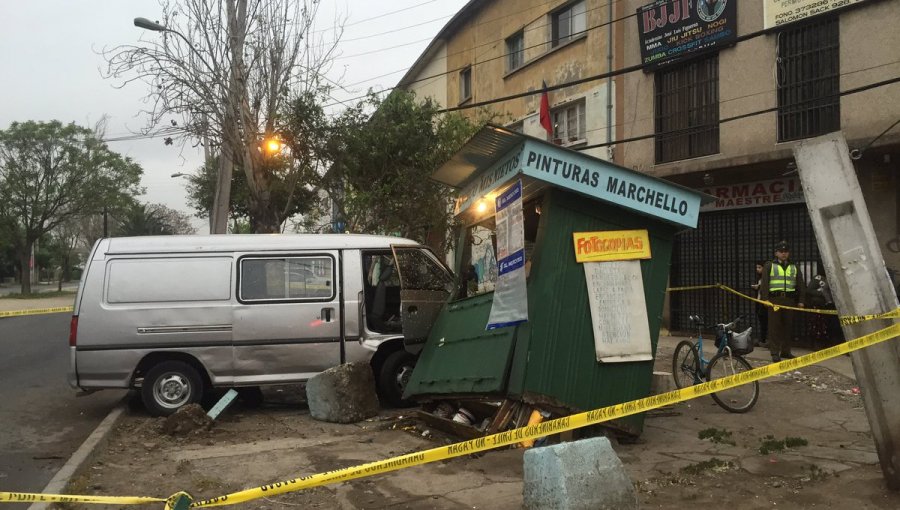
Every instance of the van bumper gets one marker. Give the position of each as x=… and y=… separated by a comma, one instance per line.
x=73, y=370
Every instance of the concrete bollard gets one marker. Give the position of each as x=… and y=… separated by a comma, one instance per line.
x=584, y=474
x=662, y=383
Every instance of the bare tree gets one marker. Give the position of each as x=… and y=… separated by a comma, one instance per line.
x=223, y=69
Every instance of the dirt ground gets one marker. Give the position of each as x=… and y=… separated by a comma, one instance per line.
x=806, y=444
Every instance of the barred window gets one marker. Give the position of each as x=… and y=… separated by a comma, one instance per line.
x=809, y=80
x=687, y=110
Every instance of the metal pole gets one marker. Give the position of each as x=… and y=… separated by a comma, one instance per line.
x=859, y=283
x=105, y=222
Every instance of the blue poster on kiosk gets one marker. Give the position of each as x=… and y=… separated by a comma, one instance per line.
x=510, y=306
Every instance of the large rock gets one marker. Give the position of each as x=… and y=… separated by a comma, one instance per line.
x=343, y=394
x=584, y=474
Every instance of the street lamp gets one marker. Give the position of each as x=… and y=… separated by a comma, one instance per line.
x=179, y=174
x=149, y=25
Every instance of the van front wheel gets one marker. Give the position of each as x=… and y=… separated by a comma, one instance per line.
x=169, y=386
x=394, y=375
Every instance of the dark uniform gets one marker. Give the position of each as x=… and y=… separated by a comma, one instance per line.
x=781, y=284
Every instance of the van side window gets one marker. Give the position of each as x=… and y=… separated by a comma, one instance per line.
x=168, y=280
x=287, y=279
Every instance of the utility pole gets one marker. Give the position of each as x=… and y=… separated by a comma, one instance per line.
x=859, y=283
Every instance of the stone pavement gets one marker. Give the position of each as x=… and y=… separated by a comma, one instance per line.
x=830, y=460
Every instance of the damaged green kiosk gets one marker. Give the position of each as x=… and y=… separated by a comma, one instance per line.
x=591, y=322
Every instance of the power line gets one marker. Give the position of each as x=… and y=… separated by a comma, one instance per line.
x=394, y=31
x=364, y=20
x=490, y=43
x=601, y=76
x=773, y=109
x=504, y=55
x=745, y=96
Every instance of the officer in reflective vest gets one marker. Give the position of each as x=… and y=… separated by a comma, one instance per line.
x=782, y=284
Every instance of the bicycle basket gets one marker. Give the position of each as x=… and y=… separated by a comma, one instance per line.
x=740, y=343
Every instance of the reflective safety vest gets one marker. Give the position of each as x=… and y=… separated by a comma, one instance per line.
x=781, y=279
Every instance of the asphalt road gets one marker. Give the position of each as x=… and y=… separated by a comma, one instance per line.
x=42, y=422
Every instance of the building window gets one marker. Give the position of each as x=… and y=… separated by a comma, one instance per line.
x=515, y=51
x=808, y=80
x=569, y=124
x=568, y=23
x=465, y=84
x=517, y=127
x=687, y=110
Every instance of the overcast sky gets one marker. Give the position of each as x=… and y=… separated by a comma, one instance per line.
x=50, y=68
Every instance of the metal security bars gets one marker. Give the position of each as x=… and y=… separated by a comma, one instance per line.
x=809, y=80
x=724, y=249
x=687, y=110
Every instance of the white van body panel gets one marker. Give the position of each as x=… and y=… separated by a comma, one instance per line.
x=250, y=309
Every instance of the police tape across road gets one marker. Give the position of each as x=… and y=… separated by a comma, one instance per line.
x=501, y=439
x=845, y=319
x=35, y=311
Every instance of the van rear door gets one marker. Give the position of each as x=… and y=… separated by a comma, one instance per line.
x=425, y=285
x=287, y=319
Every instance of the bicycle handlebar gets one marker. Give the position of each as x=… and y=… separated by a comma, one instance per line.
x=698, y=321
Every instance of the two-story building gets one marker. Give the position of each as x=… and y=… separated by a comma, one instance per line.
x=724, y=119
x=496, y=48
x=711, y=94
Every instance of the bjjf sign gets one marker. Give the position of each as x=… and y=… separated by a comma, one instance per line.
x=671, y=30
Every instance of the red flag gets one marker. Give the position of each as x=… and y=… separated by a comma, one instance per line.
x=545, y=112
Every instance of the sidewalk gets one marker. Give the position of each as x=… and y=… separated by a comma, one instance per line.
x=833, y=464
x=14, y=288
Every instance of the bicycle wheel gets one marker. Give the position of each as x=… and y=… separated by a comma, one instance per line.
x=686, y=365
x=739, y=399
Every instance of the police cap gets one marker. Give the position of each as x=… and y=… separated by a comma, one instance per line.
x=782, y=246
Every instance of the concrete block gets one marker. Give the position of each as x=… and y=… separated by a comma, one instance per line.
x=343, y=394
x=662, y=382
x=584, y=474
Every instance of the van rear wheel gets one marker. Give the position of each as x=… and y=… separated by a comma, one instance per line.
x=393, y=376
x=170, y=385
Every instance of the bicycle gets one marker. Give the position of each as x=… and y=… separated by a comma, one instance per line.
x=689, y=367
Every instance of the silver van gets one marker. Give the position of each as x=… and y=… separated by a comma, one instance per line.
x=178, y=315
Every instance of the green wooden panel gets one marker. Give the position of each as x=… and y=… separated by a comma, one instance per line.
x=554, y=356
x=460, y=357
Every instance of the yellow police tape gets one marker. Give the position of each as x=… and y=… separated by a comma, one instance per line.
x=845, y=319
x=567, y=423
x=488, y=442
x=480, y=444
x=35, y=311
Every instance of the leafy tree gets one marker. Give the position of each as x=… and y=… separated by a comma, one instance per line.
x=153, y=220
x=380, y=179
x=176, y=222
x=290, y=192
x=63, y=241
x=51, y=173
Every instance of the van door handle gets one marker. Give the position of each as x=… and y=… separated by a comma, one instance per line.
x=326, y=314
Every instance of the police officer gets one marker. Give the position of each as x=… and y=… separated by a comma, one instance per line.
x=781, y=284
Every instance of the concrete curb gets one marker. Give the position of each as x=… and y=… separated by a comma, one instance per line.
x=84, y=454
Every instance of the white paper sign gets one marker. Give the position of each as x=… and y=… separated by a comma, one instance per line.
x=618, y=311
x=510, y=306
